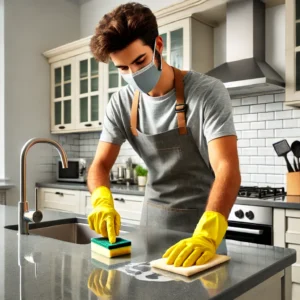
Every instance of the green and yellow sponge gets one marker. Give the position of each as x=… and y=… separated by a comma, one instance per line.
x=104, y=247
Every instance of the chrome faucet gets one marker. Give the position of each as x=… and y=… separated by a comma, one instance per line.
x=25, y=215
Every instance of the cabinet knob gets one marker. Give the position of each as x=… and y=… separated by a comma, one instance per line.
x=61, y=127
x=100, y=123
x=88, y=125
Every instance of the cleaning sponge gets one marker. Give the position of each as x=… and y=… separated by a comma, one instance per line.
x=104, y=247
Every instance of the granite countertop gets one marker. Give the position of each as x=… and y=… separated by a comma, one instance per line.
x=290, y=202
x=53, y=269
x=5, y=185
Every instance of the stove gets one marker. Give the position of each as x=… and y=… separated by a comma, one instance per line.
x=252, y=223
x=260, y=192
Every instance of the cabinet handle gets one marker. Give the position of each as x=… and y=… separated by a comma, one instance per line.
x=61, y=127
x=100, y=123
x=120, y=199
x=58, y=193
x=88, y=125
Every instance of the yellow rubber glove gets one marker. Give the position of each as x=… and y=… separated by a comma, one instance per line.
x=104, y=219
x=202, y=246
x=100, y=282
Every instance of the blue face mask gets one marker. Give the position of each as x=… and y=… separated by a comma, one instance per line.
x=146, y=78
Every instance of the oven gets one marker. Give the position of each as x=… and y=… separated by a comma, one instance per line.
x=250, y=223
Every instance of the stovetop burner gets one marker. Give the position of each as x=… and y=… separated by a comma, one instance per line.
x=260, y=192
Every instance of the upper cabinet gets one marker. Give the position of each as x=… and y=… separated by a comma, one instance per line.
x=77, y=88
x=293, y=53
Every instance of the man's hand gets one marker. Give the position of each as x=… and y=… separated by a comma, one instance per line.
x=202, y=246
x=104, y=219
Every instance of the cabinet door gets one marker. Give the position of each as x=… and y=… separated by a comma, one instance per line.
x=293, y=53
x=62, y=96
x=113, y=81
x=59, y=199
x=89, y=102
x=176, y=38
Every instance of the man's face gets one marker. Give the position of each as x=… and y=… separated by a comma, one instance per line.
x=135, y=56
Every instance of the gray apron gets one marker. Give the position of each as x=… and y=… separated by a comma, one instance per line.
x=179, y=180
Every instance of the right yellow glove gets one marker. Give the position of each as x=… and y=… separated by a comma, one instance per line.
x=104, y=219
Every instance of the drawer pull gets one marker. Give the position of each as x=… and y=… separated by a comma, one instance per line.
x=61, y=127
x=58, y=193
x=88, y=125
x=120, y=199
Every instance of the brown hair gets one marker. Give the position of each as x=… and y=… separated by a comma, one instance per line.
x=125, y=24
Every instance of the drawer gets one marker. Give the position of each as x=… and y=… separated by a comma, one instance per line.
x=295, y=291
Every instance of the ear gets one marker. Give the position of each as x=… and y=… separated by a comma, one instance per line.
x=159, y=44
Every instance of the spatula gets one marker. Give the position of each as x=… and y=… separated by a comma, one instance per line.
x=295, y=147
x=282, y=148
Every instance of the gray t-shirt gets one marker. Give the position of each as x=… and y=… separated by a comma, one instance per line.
x=209, y=113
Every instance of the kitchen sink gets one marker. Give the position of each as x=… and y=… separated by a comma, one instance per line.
x=73, y=230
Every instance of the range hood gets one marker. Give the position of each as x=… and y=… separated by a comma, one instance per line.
x=245, y=71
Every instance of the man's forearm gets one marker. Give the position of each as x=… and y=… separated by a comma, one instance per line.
x=224, y=190
x=97, y=176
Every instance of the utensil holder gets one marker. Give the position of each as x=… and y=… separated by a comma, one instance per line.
x=293, y=183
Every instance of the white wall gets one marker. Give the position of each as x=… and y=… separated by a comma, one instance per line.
x=32, y=27
x=2, y=165
x=92, y=11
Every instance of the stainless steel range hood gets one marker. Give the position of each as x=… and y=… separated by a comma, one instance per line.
x=246, y=71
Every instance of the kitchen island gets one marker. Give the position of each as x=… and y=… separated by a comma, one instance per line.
x=35, y=267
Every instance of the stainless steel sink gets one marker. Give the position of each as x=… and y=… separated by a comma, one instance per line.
x=74, y=230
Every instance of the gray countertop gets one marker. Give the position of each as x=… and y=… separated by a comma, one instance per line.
x=63, y=270
x=290, y=202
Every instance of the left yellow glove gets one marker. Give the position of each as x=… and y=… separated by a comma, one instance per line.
x=202, y=246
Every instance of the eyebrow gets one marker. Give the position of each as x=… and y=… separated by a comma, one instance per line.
x=140, y=56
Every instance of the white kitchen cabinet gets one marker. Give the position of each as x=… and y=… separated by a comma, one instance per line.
x=59, y=199
x=287, y=234
x=292, y=53
x=77, y=82
x=2, y=197
x=128, y=206
x=188, y=44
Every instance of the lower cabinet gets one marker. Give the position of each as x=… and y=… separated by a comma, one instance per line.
x=287, y=234
x=128, y=206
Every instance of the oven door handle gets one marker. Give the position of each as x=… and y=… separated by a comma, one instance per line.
x=245, y=230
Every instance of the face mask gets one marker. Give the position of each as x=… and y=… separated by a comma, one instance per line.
x=146, y=78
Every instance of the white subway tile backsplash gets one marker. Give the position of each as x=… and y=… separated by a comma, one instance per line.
x=280, y=97
x=257, y=160
x=258, y=177
x=249, y=100
x=258, y=142
x=241, y=110
x=249, y=151
x=265, y=151
x=248, y=134
x=258, y=125
x=292, y=123
x=271, y=141
x=280, y=169
x=275, y=178
x=274, y=124
x=237, y=118
x=242, y=126
x=243, y=143
x=296, y=113
x=246, y=178
x=265, y=133
x=258, y=108
x=280, y=115
x=265, y=99
x=249, y=118
x=284, y=133
x=270, y=160
x=248, y=169
x=236, y=102
x=274, y=106
x=244, y=160
x=265, y=116
x=266, y=169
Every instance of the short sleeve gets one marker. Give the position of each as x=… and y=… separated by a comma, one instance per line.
x=112, y=126
x=218, y=117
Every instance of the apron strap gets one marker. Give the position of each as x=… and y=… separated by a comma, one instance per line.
x=180, y=107
x=134, y=113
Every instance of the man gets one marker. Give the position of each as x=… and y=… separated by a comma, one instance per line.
x=180, y=123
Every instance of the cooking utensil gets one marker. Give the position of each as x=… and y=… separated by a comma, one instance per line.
x=295, y=165
x=295, y=147
x=282, y=148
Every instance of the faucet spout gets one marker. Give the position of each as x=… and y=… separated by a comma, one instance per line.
x=36, y=216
